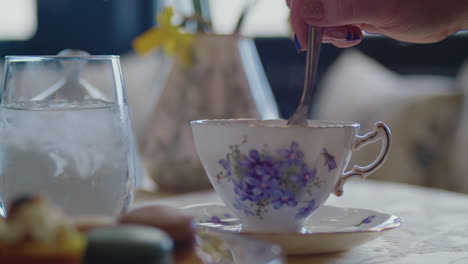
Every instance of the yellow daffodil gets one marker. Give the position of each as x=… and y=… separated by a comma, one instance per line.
x=167, y=36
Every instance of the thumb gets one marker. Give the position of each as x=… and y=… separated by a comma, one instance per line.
x=345, y=12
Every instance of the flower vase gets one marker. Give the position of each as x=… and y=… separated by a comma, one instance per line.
x=224, y=80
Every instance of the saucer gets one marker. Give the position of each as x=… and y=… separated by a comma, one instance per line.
x=215, y=247
x=329, y=229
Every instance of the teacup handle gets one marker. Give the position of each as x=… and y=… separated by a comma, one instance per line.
x=380, y=132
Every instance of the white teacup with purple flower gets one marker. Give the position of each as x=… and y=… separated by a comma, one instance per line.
x=273, y=176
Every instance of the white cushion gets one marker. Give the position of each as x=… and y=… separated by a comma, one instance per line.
x=421, y=111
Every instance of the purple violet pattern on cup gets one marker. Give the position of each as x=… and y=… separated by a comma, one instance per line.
x=306, y=211
x=367, y=220
x=329, y=160
x=266, y=180
x=241, y=207
x=215, y=220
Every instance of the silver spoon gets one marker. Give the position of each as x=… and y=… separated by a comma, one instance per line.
x=314, y=42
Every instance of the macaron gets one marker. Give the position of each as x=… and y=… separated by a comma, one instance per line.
x=128, y=244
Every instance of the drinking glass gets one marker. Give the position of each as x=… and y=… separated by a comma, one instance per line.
x=65, y=133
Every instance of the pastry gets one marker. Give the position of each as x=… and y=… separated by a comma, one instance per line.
x=36, y=232
x=89, y=223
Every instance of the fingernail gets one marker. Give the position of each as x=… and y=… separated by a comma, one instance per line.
x=313, y=11
x=344, y=35
x=352, y=36
x=297, y=44
x=337, y=34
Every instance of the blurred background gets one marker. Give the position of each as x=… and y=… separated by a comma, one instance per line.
x=31, y=27
x=418, y=89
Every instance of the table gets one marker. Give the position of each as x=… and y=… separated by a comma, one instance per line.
x=434, y=229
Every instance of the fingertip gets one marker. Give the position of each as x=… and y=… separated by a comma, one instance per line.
x=344, y=36
x=301, y=36
x=343, y=12
x=297, y=44
x=312, y=12
x=298, y=25
x=346, y=44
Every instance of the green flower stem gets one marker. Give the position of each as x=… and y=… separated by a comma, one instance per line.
x=202, y=15
x=244, y=13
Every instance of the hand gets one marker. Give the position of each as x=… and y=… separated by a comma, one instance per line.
x=415, y=21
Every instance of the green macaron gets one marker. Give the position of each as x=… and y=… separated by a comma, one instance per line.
x=128, y=244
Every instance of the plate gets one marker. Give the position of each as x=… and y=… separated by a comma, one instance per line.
x=329, y=229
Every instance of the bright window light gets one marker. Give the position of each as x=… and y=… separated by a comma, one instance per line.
x=18, y=19
x=266, y=18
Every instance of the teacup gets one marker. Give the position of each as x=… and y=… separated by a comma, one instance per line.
x=273, y=176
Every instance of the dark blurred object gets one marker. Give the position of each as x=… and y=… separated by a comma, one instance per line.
x=97, y=26
x=284, y=67
x=177, y=223
x=127, y=244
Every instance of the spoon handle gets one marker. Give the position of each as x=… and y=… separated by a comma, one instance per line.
x=313, y=51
